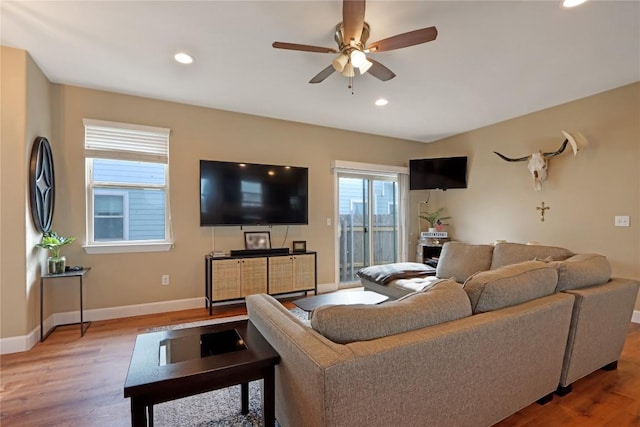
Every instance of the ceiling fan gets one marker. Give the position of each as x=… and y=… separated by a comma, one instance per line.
x=351, y=35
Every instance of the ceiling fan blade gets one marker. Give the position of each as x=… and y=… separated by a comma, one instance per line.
x=322, y=74
x=352, y=19
x=404, y=40
x=379, y=71
x=303, y=47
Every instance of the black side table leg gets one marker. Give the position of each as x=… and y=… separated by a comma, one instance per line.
x=244, y=397
x=138, y=413
x=41, y=311
x=268, y=398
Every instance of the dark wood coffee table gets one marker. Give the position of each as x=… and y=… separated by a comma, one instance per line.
x=340, y=298
x=173, y=364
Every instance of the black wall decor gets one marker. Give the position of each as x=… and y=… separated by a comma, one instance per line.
x=42, y=187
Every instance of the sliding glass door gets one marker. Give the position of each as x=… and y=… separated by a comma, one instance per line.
x=368, y=228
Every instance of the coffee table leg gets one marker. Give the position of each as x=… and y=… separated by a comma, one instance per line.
x=150, y=415
x=138, y=413
x=244, y=397
x=268, y=398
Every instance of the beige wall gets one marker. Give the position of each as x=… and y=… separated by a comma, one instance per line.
x=26, y=107
x=198, y=133
x=584, y=192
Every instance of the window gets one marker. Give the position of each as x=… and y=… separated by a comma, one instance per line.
x=127, y=169
x=110, y=215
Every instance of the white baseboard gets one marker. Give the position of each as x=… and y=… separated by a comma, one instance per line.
x=635, y=318
x=26, y=342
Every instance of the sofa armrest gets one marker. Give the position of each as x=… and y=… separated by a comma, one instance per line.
x=304, y=356
x=599, y=324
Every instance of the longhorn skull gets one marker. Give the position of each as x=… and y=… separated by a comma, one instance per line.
x=538, y=162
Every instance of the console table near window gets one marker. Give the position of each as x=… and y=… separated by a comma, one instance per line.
x=80, y=274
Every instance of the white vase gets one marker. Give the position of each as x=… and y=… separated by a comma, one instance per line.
x=432, y=230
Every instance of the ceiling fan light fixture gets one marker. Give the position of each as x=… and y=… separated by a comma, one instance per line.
x=365, y=66
x=340, y=62
x=348, y=70
x=358, y=58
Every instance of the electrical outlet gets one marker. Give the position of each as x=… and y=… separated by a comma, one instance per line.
x=328, y=221
x=621, y=221
x=165, y=279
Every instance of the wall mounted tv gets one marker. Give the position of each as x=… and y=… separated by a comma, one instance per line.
x=440, y=173
x=252, y=194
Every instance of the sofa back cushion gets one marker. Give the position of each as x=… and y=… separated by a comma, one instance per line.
x=443, y=302
x=460, y=260
x=512, y=253
x=581, y=271
x=510, y=285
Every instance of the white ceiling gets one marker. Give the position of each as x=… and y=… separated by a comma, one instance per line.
x=492, y=60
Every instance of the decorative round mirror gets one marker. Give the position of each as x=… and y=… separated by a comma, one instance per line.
x=42, y=184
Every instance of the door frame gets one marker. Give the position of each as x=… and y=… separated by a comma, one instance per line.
x=340, y=166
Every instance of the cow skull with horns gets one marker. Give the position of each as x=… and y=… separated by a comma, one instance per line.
x=538, y=162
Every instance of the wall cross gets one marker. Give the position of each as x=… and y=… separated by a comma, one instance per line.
x=542, y=209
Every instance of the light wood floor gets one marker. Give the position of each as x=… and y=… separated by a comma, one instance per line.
x=73, y=381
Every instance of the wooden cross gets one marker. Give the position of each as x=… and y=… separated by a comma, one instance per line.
x=542, y=209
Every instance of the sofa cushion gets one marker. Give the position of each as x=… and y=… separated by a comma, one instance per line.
x=460, y=260
x=510, y=285
x=512, y=253
x=581, y=271
x=443, y=302
x=383, y=274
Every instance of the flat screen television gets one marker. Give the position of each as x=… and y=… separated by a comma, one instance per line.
x=252, y=194
x=439, y=173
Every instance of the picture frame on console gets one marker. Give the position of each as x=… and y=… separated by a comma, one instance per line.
x=299, y=246
x=257, y=240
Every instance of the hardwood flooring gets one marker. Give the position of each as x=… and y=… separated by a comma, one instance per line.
x=73, y=381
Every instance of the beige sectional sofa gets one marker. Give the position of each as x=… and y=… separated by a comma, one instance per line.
x=528, y=321
x=603, y=305
x=424, y=359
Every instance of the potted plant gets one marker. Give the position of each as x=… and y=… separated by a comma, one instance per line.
x=51, y=241
x=435, y=218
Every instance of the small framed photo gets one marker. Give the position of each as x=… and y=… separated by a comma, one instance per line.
x=257, y=240
x=299, y=246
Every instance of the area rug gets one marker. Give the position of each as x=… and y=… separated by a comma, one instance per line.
x=219, y=408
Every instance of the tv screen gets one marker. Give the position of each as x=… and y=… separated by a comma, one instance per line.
x=252, y=194
x=440, y=173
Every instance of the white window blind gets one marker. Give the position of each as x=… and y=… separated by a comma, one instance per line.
x=126, y=141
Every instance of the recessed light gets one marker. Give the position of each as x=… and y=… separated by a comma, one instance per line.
x=381, y=102
x=572, y=3
x=183, y=58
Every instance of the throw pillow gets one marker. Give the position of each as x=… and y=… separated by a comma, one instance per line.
x=460, y=260
x=512, y=253
x=581, y=271
x=510, y=285
x=385, y=273
x=443, y=302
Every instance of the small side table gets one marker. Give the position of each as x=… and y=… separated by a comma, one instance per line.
x=80, y=274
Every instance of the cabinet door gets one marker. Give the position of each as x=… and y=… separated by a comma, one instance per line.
x=304, y=270
x=254, y=276
x=280, y=274
x=225, y=279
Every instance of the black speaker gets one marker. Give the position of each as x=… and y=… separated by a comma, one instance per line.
x=257, y=252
